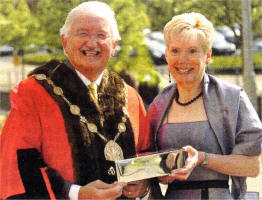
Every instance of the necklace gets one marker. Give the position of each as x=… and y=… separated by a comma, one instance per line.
x=189, y=102
x=112, y=150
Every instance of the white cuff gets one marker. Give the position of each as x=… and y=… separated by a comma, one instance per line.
x=73, y=192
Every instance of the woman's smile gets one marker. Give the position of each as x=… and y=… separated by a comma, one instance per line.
x=184, y=70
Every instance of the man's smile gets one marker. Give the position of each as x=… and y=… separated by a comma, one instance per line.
x=90, y=52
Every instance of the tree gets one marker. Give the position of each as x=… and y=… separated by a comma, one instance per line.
x=248, y=74
x=133, y=55
x=21, y=27
x=222, y=12
x=32, y=4
x=160, y=12
x=256, y=7
x=51, y=15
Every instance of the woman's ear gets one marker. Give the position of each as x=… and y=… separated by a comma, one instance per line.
x=166, y=51
x=209, y=54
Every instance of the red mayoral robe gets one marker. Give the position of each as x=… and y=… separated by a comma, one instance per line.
x=41, y=142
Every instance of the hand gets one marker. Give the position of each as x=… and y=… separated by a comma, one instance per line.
x=100, y=190
x=183, y=173
x=171, y=160
x=136, y=189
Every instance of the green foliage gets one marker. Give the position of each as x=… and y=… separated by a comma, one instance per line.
x=21, y=26
x=160, y=12
x=226, y=61
x=257, y=59
x=228, y=64
x=257, y=17
x=133, y=55
x=222, y=12
x=219, y=64
x=42, y=59
x=131, y=19
x=51, y=15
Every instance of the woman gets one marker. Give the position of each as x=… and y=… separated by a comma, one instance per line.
x=212, y=120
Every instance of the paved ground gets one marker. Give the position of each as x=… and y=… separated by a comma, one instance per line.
x=10, y=75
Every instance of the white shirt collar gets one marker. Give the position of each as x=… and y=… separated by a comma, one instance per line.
x=86, y=81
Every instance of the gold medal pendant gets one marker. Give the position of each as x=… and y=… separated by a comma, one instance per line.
x=113, y=151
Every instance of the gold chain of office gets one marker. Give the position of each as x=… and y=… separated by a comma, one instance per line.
x=112, y=150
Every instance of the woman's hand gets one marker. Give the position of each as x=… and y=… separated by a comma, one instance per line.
x=136, y=189
x=100, y=190
x=191, y=162
x=232, y=165
x=183, y=173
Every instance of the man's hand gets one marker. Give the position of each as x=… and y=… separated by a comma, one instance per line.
x=101, y=190
x=136, y=189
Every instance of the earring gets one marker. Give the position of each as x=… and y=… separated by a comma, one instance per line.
x=208, y=60
x=169, y=77
x=207, y=69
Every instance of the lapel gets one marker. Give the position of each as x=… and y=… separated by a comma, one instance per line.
x=164, y=110
x=215, y=111
x=214, y=108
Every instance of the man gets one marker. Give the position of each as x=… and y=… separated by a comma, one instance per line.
x=62, y=136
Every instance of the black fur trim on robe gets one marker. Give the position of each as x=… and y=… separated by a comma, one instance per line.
x=87, y=148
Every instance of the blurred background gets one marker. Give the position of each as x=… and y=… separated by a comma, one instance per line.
x=29, y=37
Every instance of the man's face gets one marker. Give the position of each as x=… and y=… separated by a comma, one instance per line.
x=89, y=45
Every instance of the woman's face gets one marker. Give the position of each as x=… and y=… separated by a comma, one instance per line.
x=187, y=60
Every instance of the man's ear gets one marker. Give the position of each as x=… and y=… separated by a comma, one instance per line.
x=114, y=48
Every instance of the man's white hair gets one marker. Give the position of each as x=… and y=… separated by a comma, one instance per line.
x=99, y=8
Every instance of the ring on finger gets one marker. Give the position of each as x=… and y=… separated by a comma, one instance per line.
x=129, y=193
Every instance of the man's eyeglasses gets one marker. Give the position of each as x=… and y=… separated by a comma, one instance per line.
x=85, y=34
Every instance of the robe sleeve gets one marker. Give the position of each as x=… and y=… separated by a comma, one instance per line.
x=139, y=121
x=249, y=129
x=247, y=140
x=23, y=172
x=21, y=131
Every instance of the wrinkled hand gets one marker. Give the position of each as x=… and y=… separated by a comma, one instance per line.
x=100, y=190
x=136, y=189
x=182, y=173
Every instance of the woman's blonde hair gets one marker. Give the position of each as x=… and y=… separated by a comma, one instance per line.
x=191, y=25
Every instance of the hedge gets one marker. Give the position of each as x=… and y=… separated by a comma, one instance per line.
x=233, y=64
x=219, y=64
x=42, y=59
